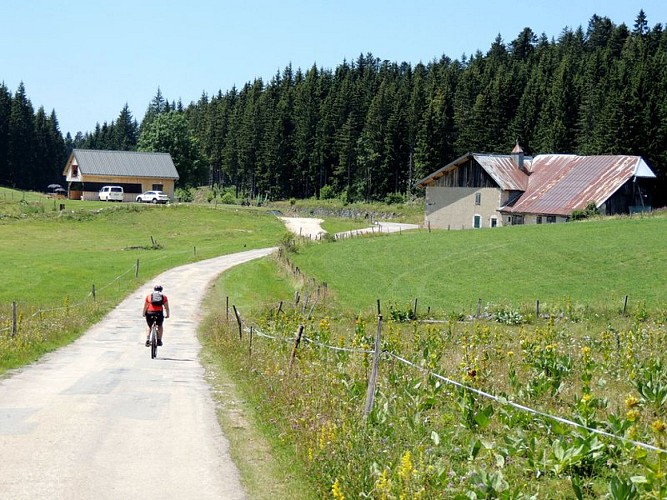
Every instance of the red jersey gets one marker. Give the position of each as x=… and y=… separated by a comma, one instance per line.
x=153, y=308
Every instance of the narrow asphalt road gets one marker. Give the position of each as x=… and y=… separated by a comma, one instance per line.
x=99, y=419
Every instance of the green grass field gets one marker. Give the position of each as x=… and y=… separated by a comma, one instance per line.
x=594, y=263
x=53, y=254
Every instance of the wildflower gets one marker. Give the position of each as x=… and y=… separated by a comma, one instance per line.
x=336, y=491
x=510, y=353
x=406, y=469
x=586, y=398
x=632, y=415
x=585, y=350
x=383, y=485
x=658, y=426
x=631, y=402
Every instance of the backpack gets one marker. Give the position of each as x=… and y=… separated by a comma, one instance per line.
x=157, y=299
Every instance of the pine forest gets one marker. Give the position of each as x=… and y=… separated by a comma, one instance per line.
x=371, y=128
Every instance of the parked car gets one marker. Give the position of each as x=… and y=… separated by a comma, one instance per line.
x=153, y=197
x=111, y=193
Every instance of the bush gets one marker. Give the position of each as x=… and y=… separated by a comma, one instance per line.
x=184, y=195
x=591, y=210
x=327, y=193
x=228, y=198
x=394, y=199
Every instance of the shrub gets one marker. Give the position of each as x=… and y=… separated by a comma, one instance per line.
x=327, y=193
x=228, y=198
x=184, y=194
x=394, y=199
x=591, y=210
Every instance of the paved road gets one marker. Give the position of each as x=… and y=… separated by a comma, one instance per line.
x=100, y=420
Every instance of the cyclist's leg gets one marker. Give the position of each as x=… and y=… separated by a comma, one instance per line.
x=160, y=329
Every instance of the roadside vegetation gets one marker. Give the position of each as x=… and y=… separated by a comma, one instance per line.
x=479, y=402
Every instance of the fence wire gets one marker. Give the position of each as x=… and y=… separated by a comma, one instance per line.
x=500, y=400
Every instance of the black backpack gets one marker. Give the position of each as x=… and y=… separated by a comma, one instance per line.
x=157, y=299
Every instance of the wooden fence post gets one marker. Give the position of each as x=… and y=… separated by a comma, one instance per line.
x=625, y=305
x=537, y=309
x=227, y=310
x=479, y=307
x=136, y=272
x=250, y=344
x=297, y=341
x=372, y=381
x=238, y=320
x=414, y=310
x=93, y=291
x=14, y=319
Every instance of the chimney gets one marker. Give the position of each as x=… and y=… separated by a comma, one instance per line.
x=517, y=157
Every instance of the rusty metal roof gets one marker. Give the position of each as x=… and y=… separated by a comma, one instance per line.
x=125, y=163
x=554, y=184
x=504, y=171
x=501, y=168
x=559, y=184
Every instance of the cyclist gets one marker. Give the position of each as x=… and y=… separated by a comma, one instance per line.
x=156, y=308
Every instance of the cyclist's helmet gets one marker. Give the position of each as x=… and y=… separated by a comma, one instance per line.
x=158, y=288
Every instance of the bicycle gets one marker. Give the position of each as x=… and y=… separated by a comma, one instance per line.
x=153, y=339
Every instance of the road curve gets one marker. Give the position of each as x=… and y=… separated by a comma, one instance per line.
x=99, y=419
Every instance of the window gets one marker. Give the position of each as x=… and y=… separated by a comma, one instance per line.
x=517, y=220
x=494, y=222
x=478, y=198
x=551, y=219
x=477, y=221
x=75, y=170
x=157, y=187
x=539, y=219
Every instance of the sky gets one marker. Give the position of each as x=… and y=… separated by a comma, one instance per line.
x=87, y=59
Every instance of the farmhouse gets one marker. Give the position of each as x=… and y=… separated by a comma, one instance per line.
x=482, y=190
x=88, y=170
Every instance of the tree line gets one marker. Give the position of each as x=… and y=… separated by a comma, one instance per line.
x=371, y=128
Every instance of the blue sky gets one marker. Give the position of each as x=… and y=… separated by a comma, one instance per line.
x=86, y=58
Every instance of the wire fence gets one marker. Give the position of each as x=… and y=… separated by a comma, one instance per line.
x=378, y=354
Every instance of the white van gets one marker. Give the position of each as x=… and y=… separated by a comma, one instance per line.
x=111, y=193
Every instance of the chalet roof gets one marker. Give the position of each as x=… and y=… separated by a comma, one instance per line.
x=124, y=163
x=559, y=184
x=501, y=168
x=554, y=184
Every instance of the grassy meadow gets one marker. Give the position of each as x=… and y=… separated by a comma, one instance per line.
x=51, y=258
x=571, y=404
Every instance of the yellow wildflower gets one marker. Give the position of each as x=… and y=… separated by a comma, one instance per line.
x=406, y=469
x=383, y=485
x=336, y=491
x=658, y=426
x=632, y=415
x=631, y=402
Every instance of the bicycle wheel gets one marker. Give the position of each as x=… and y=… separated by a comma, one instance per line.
x=154, y=342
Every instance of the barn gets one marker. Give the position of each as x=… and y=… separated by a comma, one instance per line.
x=87, y=170
x=489, y=190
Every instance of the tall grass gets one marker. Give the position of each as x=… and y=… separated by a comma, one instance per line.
x=585, y=363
